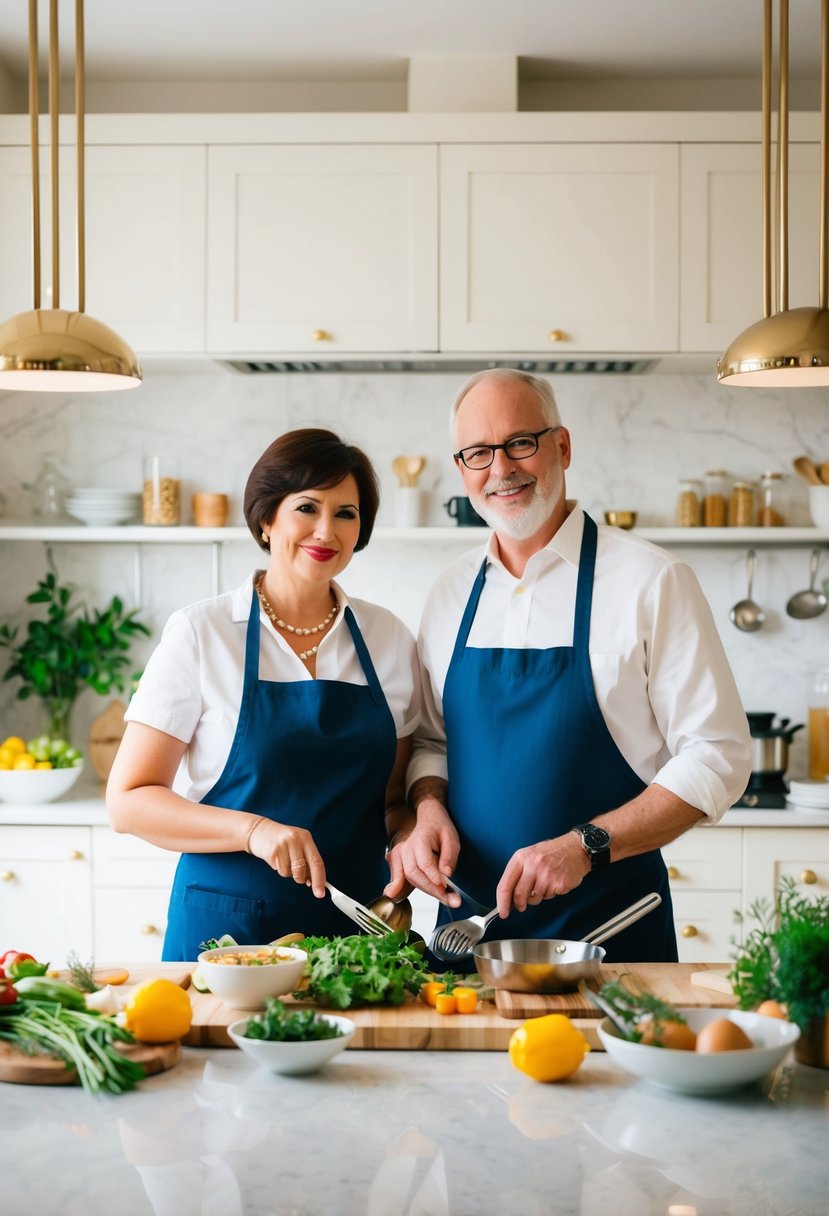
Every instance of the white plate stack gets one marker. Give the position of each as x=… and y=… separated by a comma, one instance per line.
x=100, y=508
x=810, y=795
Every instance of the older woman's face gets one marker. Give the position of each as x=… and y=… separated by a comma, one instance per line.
x=314, y=532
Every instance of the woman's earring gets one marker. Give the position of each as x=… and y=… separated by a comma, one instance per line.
x=266, y=540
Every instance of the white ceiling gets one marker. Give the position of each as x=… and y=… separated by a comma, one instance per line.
x=225, y=40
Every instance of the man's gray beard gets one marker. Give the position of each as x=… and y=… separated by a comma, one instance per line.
x=533, y=517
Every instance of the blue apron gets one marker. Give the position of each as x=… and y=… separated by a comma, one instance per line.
x=314, y=753
x=529, y=757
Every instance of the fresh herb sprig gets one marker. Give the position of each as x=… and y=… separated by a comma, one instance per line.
x=635, y=1005
x=361, y=970
x=81, y=974
x=277, y=1025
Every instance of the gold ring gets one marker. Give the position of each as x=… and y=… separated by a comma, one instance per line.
x=295, y=865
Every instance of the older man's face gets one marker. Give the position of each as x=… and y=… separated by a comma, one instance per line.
x=515, y=497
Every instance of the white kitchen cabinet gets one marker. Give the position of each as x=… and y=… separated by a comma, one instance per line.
x=322, y=249
x=145, y=241
x=770, y=854
x=721, y=269
x=559, y=247
x=46, y=891
x=705, y=871
x=132, y=882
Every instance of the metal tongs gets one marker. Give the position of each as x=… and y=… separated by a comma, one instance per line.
x=359, y=913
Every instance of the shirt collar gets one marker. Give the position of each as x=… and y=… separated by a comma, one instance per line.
x=565, y=543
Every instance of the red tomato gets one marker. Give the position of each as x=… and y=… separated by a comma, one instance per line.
x=14, y=956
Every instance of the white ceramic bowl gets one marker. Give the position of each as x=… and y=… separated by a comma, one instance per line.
x=819, y=506
x=245, y=987
x=692, y=1072
x=293, y=1059
x=37, y=784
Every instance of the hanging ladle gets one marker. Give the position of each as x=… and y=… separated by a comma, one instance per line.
x=806, y=604
x=745, y=614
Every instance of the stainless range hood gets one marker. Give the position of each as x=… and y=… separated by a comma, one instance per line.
x=608, y=365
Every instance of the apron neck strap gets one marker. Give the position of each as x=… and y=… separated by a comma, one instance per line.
x=365, y=659
x=252, y=642
x=584, y=587
x=469, y=611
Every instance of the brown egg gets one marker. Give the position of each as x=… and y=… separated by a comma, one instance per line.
x=722, y=1035
x=664, y=1032
x=772, y=1009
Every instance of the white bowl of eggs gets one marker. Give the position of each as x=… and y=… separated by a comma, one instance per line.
x=730, y=1048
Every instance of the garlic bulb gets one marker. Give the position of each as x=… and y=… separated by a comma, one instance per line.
x=105, y=1000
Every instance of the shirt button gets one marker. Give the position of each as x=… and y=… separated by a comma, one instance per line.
x=520, y=590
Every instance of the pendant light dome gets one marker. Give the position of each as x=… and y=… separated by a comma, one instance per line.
x=52, y=349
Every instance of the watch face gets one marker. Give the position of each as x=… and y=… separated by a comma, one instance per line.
x=594, y=837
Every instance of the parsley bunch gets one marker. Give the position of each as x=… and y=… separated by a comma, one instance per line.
x=361, y=970
x=276, y=1025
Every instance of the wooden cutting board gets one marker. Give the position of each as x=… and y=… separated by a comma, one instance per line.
x=673, y=982
x=416, y=1026
x=19, y=1069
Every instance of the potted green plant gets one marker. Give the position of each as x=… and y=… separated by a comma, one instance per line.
x=74, y=647
x=785, y=957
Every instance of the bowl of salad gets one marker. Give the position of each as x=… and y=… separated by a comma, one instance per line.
x=245, y=976
x=291, y=1042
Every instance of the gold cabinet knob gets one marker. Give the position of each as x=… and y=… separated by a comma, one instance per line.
x=75, y=855
x=690, y=931
x=557, y=335
x=149, y=930
x=673, y=872
x=321, y=335
x=7, y=876
x=808, y=878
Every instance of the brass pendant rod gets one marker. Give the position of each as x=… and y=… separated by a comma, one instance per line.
x=766, y=98
x=54, y=113
x=34, y=119
x=783, y=161
x=79, y=116
x=824, y=155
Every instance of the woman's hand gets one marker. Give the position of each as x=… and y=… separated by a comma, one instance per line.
x=291, y=852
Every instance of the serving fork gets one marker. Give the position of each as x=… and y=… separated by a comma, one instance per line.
x=359, y=913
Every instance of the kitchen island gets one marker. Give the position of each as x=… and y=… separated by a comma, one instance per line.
x=380, y=1133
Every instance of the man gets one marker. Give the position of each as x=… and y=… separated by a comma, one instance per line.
x=579, y=711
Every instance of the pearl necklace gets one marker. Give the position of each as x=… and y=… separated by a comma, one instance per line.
x=297, y=630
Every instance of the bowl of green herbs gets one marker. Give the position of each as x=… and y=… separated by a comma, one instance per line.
x=290, y=1041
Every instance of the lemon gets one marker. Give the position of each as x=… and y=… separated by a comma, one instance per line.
x=548, y=1048
x=44, y=764
x=24, y=761
x=14, y=744
x=158, y=1011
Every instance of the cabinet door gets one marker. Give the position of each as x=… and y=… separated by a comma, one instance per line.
x=145, y=237
x=559, y=248
x=721, y=243
x=322, y=249
x=46, y=891
x=769, y=854
x=132, y=890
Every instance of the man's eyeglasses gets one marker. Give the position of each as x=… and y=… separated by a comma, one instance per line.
x=520, y=447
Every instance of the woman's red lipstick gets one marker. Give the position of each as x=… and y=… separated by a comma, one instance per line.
x=318, y=554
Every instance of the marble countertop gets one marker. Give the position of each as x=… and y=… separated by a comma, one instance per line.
x=405, y=1133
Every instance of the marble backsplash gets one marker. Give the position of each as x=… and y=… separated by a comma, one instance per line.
x=634, y=438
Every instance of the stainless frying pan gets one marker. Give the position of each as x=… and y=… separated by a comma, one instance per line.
x=553, y=964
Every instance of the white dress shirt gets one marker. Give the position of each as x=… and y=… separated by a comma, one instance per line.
x=192, y=685
x=662, y=680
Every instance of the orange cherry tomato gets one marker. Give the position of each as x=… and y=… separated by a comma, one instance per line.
x=429, y=991
x=446, y=1002
x=466, y=1000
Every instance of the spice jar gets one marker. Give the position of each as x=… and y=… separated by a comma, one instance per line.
x=689, y=504
x=819, y=725
x=772, y=509
x=161, y=498
x=741, y=505
x=713, y=503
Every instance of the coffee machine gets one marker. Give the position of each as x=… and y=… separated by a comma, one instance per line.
x=767, y=788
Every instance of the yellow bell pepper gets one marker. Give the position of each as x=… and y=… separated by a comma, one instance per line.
x=158, y=1011
x=548, y=1048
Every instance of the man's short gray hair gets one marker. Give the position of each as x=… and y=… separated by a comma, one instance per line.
x=511, y=375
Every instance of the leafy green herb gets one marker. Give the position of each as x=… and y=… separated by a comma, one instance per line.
x=81, y=974
x=278, y=1026
x=361, y=970
x=636, y=1005
x=785, y=956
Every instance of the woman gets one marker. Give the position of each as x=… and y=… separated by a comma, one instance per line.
x=269, y=737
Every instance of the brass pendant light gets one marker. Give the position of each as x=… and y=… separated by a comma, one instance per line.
x=789, y=348
x=52, y=349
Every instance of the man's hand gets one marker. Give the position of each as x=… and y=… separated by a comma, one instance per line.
x=540, y=871
x=427, y=854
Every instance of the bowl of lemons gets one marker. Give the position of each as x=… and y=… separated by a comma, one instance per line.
x=39, y=770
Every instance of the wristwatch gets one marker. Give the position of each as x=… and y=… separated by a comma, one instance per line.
x=595, y=842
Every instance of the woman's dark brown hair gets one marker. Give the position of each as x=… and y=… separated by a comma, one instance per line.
x=304, y=460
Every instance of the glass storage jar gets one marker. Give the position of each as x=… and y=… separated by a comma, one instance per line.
x=161, y=496
x=741, y=505
x=689, y=504
x=819, y=725
x=772, y=509
x=713, y=503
